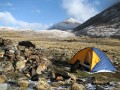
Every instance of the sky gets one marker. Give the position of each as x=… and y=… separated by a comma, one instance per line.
x=41, y=14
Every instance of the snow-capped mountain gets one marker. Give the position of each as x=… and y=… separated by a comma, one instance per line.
x=68, y=24
x=104, y=24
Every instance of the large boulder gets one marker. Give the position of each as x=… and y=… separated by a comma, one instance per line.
x=27, y=44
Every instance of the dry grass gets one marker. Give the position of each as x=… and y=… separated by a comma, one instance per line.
x=64, y=49
x=69, y=46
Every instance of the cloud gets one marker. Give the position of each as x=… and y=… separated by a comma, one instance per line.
x=80, y=9
x=6, y=18
x=84, y=9
x=6, y=4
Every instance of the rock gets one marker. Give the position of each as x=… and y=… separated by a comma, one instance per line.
x=101, y=82
x=68, y=81
x=35, y=77
x=11, y=51
x=43, y=85
x=7, y=42
x=59, y=78
x=8, y=67
x=32, y=72
x=118, y=85
x=23, y=83
x=20, y=64
x=76, y=86
x=57, y=84
x=36, y=52
x=34, y=58
x=41, y=68
x=65, y=74
x=27, y=52
x=23, y=78
x=21, y=58
x=4, y=86
x=3, y=79
x=8, y=47
x=17, y=52
x=1, y=53
x=21, y=48
x=27, y=44
x=52, y=75
x=73, y=77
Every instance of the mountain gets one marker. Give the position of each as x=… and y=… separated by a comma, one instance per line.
x=105, y=24
x=68, y=24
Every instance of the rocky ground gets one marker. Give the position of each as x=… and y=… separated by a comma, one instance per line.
x=24, y=66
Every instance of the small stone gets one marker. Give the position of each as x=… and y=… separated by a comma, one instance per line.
x=23, y=78
x=52, y=75
x=41, y=68
x=43, y=85
x=1, y=53
x=59, y=78
x=76, y=86
x=35, y=77
x=8, y=67
x=11, y=51
x=3, y=79
x=57, y=84
x=17, y=52
x=23, y=83
x=28, y=75
x=8, y=47
x=73, y=77
x=32, y=71
x=21, y=48
x=20, y=64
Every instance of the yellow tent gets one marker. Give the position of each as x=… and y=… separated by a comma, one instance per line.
x=93, y=59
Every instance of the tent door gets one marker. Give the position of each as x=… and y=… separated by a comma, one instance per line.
x=87, y=59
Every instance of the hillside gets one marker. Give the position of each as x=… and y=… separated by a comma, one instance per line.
x=47, y=34
x=105, y=24
x=68, y=24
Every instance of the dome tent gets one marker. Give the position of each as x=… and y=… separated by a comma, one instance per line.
x=93, y=59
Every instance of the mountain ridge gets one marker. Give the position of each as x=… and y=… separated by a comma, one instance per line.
x=104, y=24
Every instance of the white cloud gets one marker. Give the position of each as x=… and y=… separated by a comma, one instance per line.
x=80, y=9
x=6, y=4
x=6, y=18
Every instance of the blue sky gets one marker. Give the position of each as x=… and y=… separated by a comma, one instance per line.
x=40, y=14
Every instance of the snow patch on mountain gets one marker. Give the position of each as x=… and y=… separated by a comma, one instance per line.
x=55, y=34
x=68, y=24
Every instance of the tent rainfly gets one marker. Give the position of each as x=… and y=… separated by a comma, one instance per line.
x=93, y=59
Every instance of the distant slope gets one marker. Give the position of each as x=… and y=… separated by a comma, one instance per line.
x=57, y=34
x=68, y=24
x=105, y=24
x=47, y=34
